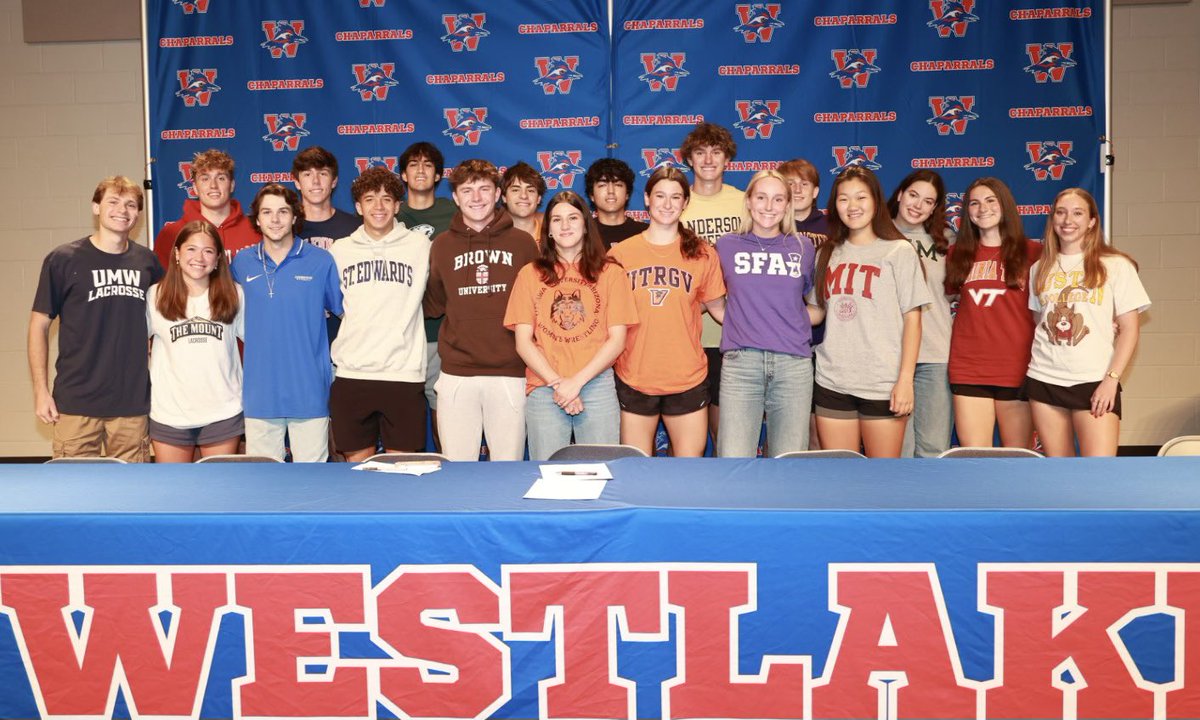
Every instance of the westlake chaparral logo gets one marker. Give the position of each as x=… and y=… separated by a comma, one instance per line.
x=758, y=118
x=954, y=206
x=463, y=31
x=284, y=130
x=663, y=70
x=187, y=185
x=557, y=73
x=848, y=156
x=656, y=158
x=283, y=37
x=951, y=17
x=854, y=67
x=191, y=6
x=1049, y=61
x=1048, y=159
x=465, y=125
x=758, y=21
x=387, y=162
x=951, y=113
x=374, y=79
x=559, y=167
x=196, y=86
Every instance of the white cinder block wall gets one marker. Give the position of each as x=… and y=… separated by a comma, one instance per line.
x=71, y=114
x=1156, y=210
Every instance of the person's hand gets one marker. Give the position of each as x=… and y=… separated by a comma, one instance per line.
x=566, y=390
x=44, y=408
x=902, y=398
x=574, y=407
x=1104, y=397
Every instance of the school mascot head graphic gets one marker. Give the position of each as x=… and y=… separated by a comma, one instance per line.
x=567, y=309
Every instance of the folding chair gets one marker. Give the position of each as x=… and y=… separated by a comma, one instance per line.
x=238, y=459
x=990, y=452
x=1182, y=445
x=596, y=452
x=815, y=454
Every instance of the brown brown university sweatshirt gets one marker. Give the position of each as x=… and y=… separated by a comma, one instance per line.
x=471, y=275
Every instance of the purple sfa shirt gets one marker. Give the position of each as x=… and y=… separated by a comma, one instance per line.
x=766, y=280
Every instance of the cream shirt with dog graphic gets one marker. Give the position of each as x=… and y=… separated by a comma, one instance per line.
x=1073, y=341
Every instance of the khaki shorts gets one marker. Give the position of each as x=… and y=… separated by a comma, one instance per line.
x=84, y=436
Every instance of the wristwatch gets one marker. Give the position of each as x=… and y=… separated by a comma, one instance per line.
x=1113, y=375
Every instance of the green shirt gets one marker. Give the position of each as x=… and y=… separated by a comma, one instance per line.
x=431, y=222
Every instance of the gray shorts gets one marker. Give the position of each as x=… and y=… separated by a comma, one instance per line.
x=206, y=435
x=433, y=368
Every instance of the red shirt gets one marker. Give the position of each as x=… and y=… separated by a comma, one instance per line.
x=993, y=330
x=236, y=232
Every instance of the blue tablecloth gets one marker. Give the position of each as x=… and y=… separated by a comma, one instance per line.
x=914, y=549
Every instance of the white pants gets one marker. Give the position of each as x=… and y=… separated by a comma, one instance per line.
x=470, y=408
x=308, y=438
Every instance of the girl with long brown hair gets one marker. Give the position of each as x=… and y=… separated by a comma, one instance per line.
x=1087, y=297
x=869, y=290
x=674, y=275
x=194, y=317
x=569, y=309
x=988, y=268
x=918, y=207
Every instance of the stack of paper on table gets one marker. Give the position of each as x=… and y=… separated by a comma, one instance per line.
x=411, y=467
x=573, y=481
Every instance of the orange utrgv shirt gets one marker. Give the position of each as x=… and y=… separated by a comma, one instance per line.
x=662, y=353
x=571, y=318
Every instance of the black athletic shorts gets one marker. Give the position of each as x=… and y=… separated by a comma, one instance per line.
x=637, y=402
x=714, y=375
x=362, y=411
x=1073, y=397
x=995, y=392
x=840, y=406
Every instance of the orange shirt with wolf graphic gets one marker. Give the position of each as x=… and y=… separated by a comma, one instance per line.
x=571, y=318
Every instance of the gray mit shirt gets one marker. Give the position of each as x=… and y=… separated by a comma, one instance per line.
x=868, y=288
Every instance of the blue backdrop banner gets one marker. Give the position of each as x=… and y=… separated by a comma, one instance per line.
x=966, y=87
x=1014, y=90
x=366, y=78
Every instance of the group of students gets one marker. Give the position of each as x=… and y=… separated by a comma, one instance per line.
x=989, y=350
x=965, y=331
x=532, y=328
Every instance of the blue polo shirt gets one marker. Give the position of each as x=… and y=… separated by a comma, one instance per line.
x=287, y=368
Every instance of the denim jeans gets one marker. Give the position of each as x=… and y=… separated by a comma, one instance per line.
x=549, y=428
x=754, y=381
x=928, y=434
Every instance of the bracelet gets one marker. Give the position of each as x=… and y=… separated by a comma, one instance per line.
x=1113, y=375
